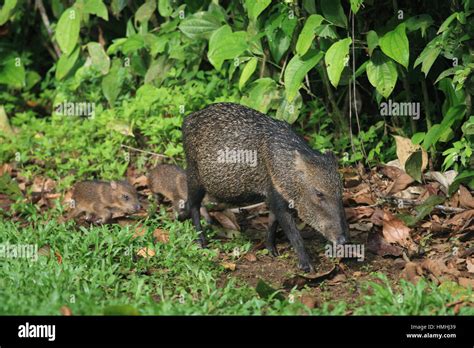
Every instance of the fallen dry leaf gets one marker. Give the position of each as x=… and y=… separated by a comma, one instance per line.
x=41, y=184
x=400, y=183
x=140, y=230
x=65, y=310
x=459, y=220
x=357, y=213
x=378, y=245
x=395, y=231
x=445, y=179
x=161, y=236
x=227, y=219
x=250, y=257
x=146, y=252
x=465, y=198
x=470, y=265
x=438, y=267
x=405, y=148
x=435, y=269
x=58, y=257
x=309, y=301
x=466, y=282
x=229, y=265
x=412, y=272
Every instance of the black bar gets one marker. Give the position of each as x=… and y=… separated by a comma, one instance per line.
x=197, y=330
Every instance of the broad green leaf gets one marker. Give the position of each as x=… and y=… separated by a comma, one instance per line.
x=6, y=10
x=334, y=13
x=157, y=71
x=417, y=138
x=145, y=11
x=247, y=71
x=289, y=112
x=117, y=6
x=395, y=45
x=326, y=31
x=447, y=22
x=97, y=8
x=308, y=33
x=100, y=59
x=116, y=45
x=31, y=79
x=382, y=73
x=310, y=6
x=421, y=22
x=112, y=82
x=67, y=30
x=413, y=165
x=12, y=71
x=468, y=126
x=224, y=45
x=447, y=72
x=429, y=55
x=422, y=210
x=453, y=114
x=133, y=44
x=361, y=69
x=65, y=63
x=199, y=25
x=297, y=69
x=355, y=5
x=372, y=41
x=466, y=176
x=279, y=30
x=164, y=8
x=261, y=94
x=336, y=58
x=256, y=7
x=5, y=129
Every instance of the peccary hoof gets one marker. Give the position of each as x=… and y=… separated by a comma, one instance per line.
x=273, y=250
x=201, y=241
x=306, y=267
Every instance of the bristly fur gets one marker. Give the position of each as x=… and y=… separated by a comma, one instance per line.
x=102, y=200
x=306, y=179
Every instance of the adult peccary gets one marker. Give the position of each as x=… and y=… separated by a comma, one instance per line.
x=241, y=156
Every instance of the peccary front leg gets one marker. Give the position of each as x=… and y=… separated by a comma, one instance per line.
x=279, y=207
x=271, y=235
x=195, y=196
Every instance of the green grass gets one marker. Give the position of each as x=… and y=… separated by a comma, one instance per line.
x=100, y=273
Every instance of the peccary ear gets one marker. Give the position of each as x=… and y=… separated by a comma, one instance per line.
x=300, y=162
x=113, y=184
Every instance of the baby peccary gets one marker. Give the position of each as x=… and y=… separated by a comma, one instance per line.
x=169, y=180
x=241, y=156
x=103, y=200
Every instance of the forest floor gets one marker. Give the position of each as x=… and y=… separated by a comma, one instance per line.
x=408, y=230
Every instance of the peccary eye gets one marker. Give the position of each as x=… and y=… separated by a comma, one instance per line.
x=126, y=197
x=318, y=194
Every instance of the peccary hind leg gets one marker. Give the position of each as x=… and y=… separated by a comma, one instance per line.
x=271, y=235
x=279, y=207
x=195, y=196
